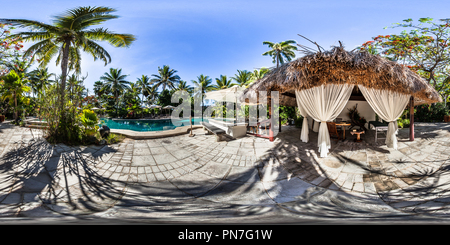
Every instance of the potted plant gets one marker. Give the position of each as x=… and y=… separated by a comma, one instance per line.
x=447, y=116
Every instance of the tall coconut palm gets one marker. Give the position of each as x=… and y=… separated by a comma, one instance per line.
x=182, y=85
x=281, y=51
x=145, y=85
x=202, y=85
x=99, y=89
x=152, y=95
x=115, y=83
x=39, y=78
x=258, y=74
x=134, y=90
x=166, y=78
x=74, y=84
x=68, y=36
x=242, y=77
x=223, y=82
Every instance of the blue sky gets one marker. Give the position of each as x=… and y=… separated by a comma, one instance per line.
x=219, y=37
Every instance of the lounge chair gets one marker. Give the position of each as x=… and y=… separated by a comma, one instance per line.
x=334, y=132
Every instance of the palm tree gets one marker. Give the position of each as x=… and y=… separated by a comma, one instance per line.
x=115, y=83
x=182, y=85
x=145, y=85
x=166, y=78
x=243, y=77
x=134, y=90
x=13, y=88
x=68, y=36
x=39, y=78
x=74, y=86
x=99, y=89
x=223, y=82
x=203, y=84
x=258, y=74
x=281, y=51
x=152, y=95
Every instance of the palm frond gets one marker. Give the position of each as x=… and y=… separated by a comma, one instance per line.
x=32, y=24
x=82, y=17
x=97, y=51
x=115, y=39
x=31, y=36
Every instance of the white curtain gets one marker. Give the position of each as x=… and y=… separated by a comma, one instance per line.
x=389, y=106
x=324, y=103
x=304, y=136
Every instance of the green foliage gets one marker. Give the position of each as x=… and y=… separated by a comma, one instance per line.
x=298, y=121
x=286, y=113
x=89, y=120
x=164, y=98
x=403, y=123
x=166, y=77
x=68, y=30
x=243, y=78
x=423, y=47
x=113, y=138
x=430, y=113
x=13, y=89
x=65, y=39
x=115, y=84
x=223, y=82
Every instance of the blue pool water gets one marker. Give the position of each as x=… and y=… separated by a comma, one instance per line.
x=147, y=125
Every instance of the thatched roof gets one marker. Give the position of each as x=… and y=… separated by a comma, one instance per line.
x=340, y=66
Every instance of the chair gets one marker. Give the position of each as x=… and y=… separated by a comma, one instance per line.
x=334, y=132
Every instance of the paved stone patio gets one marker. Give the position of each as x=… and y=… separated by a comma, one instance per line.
x=196, y=179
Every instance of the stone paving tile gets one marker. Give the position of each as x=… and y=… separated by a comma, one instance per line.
x=412, y=179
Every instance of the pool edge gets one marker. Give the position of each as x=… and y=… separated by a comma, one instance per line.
x=154, y=134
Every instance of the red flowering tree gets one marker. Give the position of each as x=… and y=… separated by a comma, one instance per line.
x=90, y=100
x=423, y=47
x=9, y=50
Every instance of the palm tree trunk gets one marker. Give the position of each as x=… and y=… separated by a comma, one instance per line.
x=64, y=65
x=278, y=64
x=15, y=106
x=117, y=103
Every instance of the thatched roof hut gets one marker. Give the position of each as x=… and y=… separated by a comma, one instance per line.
x=339, y=66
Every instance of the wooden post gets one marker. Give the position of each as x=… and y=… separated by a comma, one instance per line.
x=271, y=138
x=279, y=120
x=411, y=119
x=190, y=121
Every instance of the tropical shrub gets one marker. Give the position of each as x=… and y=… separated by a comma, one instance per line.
x=430, y=113
x=403, y=123
x=286, y=113
x=89, y=121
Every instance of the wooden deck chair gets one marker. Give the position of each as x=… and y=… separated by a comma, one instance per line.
x=334, y=132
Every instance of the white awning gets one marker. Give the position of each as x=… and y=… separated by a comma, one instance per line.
x=227, y=95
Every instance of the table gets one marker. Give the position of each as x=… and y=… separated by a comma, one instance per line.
x=378, y=125
x=358, y=135
x=343, y=124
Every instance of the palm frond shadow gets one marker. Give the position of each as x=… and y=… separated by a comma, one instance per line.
x=40, y=171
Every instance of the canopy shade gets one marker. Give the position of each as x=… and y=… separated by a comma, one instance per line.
x=168, y=107
x=338, y=66
x=154, y=106
x=227, y=95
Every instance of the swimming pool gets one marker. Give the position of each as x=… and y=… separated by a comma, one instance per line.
x=147, y=124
